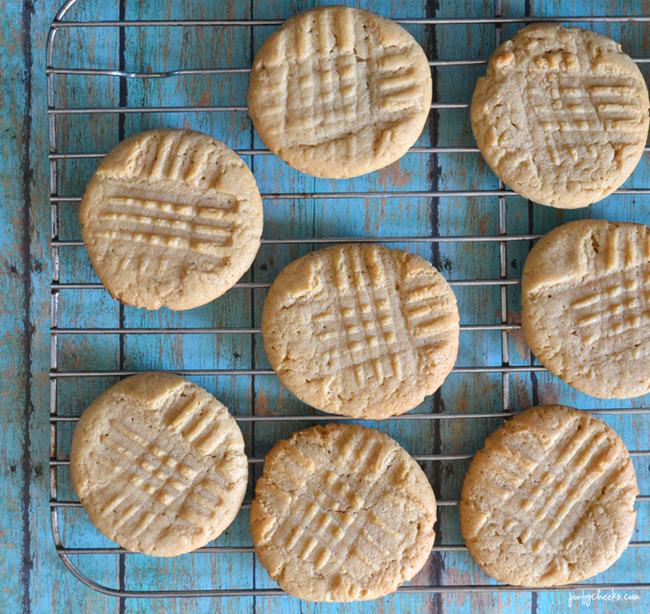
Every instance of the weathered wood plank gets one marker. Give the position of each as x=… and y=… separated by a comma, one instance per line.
x=47, y=585
x=15, y=451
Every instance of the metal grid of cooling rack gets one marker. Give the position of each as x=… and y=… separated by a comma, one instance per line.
x=53, y=68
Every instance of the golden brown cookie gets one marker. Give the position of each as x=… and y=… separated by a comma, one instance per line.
x=342, y=513
x=562, y=115
x=550, y=498
x=339, y=92
x=586, y=308
x=361, y=330
x=159, y=465
x=171, y=218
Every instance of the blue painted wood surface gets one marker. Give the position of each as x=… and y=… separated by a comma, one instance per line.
x=32, y=577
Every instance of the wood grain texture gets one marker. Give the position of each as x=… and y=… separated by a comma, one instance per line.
x=33, y=578
x=32, y=575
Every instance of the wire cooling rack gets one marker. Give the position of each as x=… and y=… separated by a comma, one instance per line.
x=99, y=563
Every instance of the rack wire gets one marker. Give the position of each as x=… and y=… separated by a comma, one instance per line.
x=74, y=555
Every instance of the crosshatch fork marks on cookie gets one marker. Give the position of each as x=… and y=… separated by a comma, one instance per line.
x=167, y=477
x=199, y=426
x=553, y=481
x=325, y=86
x=339, y=91
x=171, y=218
x=579, y=119
x=315, y=509
x=158, y=463
x=624, y=312
x=204, y=229
x=178, y=157
x=609, y=301
x=370, y=330
x=155, y=479
x=320, y=530
x=521, y=466
x=361, y=315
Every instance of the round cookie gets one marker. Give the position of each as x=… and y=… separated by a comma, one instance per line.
x=361, y=330
x=159, y=465
x=562, y=115
x=586, y=308
x=171, y=218
x=342, y=513
x=550, y=498
x=339, y=92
